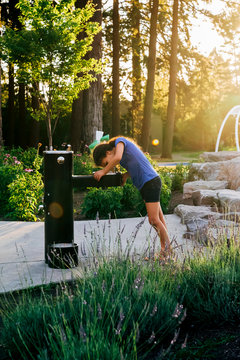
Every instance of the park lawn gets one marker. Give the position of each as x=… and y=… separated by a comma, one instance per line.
x=179, y=156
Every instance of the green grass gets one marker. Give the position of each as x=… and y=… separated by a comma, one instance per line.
x=126, y=308
x=180, y=156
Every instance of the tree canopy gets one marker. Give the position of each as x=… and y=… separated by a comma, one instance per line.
x=46, y=51
x=47, y=48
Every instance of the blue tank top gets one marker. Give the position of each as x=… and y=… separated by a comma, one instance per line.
x=136, y=163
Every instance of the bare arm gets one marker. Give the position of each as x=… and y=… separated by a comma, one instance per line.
x=125, y=176
x=113, y=162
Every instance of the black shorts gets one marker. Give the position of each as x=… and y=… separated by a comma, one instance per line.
x=151, y=190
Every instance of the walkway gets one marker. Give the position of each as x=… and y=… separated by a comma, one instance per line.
x=22, y=247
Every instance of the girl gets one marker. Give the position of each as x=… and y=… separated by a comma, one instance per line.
x=144, y=177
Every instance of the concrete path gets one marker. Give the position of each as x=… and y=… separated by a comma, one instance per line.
x=22, y=247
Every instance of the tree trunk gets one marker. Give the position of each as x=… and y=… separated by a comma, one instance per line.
x=1, y=130
x=115, y=71
x=35, y=125
x=136, y=71
x=22, y=116
x=49, y=130
x=86, y=116
x=151, y=77
x=168, y=135
x=76, y=131
x=93, y=96
x=11, y=17
x=10, y=107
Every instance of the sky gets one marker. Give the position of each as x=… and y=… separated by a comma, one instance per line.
x=203, y=35
x=202, y=31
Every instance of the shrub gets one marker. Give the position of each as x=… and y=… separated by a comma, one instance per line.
x=7, y=175
x=10, y=167
x=82, y=164
x=132, y=200
x=25, y=193
x=165, y=191
x=179, y=176
x=103, y=202
x=115, y=201
x=25, y=157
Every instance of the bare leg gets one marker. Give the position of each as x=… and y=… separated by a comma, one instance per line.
x=161, y=216
x=156, y=219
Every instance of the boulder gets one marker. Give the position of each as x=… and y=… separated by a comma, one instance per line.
x=219, y=156
x=189, y=187
x=210, y=232
x=229, y=200
x=209, y=171
x=188, y=212
x=205, y=197
x=197, y=225
x=221, y=170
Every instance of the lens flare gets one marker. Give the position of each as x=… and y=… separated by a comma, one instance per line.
x=56, y=210
x=155, y=142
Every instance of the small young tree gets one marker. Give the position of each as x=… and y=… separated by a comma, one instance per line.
x=46, y=51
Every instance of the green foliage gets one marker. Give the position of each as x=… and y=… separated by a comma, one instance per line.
x=132, y=199
x=117, y=201
x=26, y=193
x=103, y=202
x=213, y=284
x=7, y=174
x=165, y=191
x=116, y=311
x=127, y=307
x=47, y=50
x=13, y=156
x=21, y=187
x=179, y=175
x=82, y=164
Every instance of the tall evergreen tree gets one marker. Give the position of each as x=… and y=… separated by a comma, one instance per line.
x=136, y=70
x=11, y=106
x=1, y=127
x=21, y=125
x=168, y=135
x=86, y=116
x=35, y=124
x=148, y=101
x=115, y=71
x=11, y=14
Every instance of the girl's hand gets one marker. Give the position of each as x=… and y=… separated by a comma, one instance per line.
x=125, y=176
x=98, y=174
